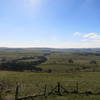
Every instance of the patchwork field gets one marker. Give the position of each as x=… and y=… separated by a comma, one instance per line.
x=33, y=69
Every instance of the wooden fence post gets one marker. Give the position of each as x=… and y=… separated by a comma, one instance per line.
x=59, y=88
x=45, y=91
x=77, y=87
x=16, y=92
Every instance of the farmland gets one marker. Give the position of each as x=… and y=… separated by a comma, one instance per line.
x=36, y=68
x=33, y=83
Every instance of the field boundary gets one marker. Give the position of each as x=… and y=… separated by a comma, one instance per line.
x=59, y=90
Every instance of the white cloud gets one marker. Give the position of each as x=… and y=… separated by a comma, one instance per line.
x=87, y=40
x=88, y=36
x=92, y=36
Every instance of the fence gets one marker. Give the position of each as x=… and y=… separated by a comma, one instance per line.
x=59, y=90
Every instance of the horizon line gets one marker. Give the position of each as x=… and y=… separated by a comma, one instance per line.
x=53, y=47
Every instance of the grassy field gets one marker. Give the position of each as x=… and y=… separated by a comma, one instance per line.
x=81, y=70
x=72, y=97
x=33, y=83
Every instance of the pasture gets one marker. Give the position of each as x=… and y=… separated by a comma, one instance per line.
x=33, y=69
x=33, y=83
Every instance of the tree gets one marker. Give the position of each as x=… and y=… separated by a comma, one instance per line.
x=70, y=61
x=3, y=60
x=93, y=62
x=49, y=71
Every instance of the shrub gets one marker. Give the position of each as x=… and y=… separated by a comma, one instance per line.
x=93, y=62
x=70, y=61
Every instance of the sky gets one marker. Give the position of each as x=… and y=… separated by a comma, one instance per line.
x=50, y=23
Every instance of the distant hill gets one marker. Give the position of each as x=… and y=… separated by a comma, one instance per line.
x=55, y=49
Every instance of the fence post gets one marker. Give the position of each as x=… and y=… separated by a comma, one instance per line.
x=77, y=87
x=59, y=88
x=16, y=92
x=45, y=91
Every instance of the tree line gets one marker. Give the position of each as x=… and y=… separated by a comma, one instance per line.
x=17, y=65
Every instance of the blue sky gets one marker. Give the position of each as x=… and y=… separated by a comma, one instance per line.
x=50, y=23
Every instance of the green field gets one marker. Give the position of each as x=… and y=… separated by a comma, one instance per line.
x=72, y=97
x=65, y=66
x=33, y=83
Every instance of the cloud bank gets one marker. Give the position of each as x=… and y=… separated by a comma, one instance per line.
x=88, y=36
x=87, y=40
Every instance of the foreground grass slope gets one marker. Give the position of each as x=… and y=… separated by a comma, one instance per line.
x=72, y=97
x=33, y=83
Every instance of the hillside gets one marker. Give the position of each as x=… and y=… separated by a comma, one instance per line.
x=50, y=59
